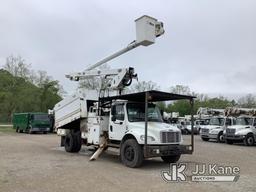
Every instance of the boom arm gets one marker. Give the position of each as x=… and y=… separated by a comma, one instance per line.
x=147, y=29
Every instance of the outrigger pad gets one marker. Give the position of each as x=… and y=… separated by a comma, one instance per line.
x=99, y=150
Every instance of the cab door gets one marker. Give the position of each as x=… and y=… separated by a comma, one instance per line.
x=117, y=126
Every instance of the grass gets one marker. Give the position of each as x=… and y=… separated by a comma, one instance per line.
x=7, y=129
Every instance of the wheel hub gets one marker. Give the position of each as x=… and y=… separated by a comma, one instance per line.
x=250, y=140
x=129, y=153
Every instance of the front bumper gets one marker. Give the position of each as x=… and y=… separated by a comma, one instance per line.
x=166, y=150
x=234, y=137
x=37, y=129
x=209, y=136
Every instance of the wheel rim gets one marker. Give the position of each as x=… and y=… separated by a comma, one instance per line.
x=250, y=140
x=129, y=153
x=221, y=138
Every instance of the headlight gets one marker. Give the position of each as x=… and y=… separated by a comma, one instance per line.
x=150, y=138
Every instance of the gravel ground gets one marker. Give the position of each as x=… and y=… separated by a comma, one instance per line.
x=31, y=163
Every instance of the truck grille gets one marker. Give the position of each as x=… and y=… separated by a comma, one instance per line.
x=170, y=137
x=230, y=131
x=204, y=130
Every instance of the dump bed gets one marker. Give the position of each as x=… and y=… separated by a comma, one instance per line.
x=73, y=108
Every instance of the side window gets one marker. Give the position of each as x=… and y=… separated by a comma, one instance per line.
x=118, y=112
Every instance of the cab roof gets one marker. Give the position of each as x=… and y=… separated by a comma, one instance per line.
x=153, y=96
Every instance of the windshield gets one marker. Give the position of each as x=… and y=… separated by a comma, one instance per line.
x=216, y=121
x=136, y=112
x=40, y=117
x=243, y=121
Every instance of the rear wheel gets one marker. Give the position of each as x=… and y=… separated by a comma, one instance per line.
x=131, y=153
x=171, y=159
x=62, y=141
x=17, y=129
x=249, y=140
x=220, y=137
x=73, y=142
x=205, y=139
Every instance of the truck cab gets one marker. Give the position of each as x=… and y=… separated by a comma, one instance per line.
x=244, y=130
x=215, y=128
x=128, y=118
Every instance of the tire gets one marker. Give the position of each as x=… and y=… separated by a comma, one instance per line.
x=20, y=130
x=205, y=139
x=73, y=142
x=131, y=153
x=62, y=141
x=171, y=159
x=249, y=140
x=185, y=132
x=17, y=129
x=220, y=138
x=228, y=141
x=45, y=132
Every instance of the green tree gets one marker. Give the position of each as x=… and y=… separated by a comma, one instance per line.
x=23, y=90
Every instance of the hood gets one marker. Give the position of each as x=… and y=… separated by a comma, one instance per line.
x=238, y=127
x=154, y=129
x=211, y=126
x=154, y=125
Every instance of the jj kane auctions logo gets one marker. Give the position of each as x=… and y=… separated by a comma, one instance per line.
x=201, y=173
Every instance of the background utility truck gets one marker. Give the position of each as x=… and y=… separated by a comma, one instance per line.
x=130, y=123
x=31, y=122
x=217, y=124
x=244, y=129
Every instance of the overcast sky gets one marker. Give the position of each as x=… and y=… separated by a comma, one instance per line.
x=209, y=45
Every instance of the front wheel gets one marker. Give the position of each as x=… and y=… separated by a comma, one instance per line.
x=220, y=137
x=249, y=140
x=131, y=153
x=171, y=159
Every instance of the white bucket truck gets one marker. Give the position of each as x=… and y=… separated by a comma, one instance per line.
x=244, y=129
x=130, y=123
x=217, y=124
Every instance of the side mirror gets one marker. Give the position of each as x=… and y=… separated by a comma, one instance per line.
x=113, y=118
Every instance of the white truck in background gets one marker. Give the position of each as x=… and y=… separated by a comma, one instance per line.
x=217, y=124
x=244, y=129
x=130, y=123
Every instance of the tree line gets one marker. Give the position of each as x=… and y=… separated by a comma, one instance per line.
x=25, y=90
x=202, y=100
